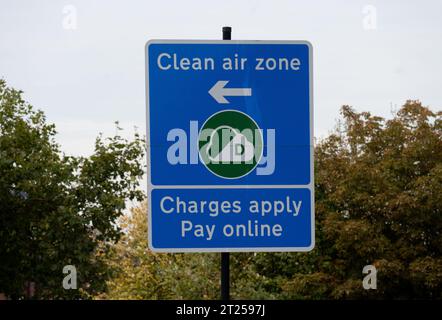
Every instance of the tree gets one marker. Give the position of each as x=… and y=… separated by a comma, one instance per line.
x=58, y=210
x=378, y=202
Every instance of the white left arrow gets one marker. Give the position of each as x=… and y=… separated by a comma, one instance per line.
x=219, y=91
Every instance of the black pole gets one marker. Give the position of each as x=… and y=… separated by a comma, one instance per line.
x=227, y=33
x=225, y=275
x=225, y=256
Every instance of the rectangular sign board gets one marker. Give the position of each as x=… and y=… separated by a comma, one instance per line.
x=230, y=145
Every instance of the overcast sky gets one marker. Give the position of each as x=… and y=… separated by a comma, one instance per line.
x=82, y=62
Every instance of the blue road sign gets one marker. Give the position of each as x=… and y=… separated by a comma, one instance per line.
x=230, y=145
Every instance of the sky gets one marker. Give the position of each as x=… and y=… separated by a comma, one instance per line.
x=82, y=62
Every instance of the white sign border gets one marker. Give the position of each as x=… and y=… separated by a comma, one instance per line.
x=150, y=186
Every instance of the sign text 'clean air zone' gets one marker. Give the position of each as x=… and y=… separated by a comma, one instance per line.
x=230, y=145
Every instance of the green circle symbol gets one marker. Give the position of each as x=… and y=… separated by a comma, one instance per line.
x=230, y=144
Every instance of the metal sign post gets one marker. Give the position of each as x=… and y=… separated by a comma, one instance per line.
x=225, y=256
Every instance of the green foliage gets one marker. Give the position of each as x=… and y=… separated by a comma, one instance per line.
x=58, y=210
x=378, y=201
